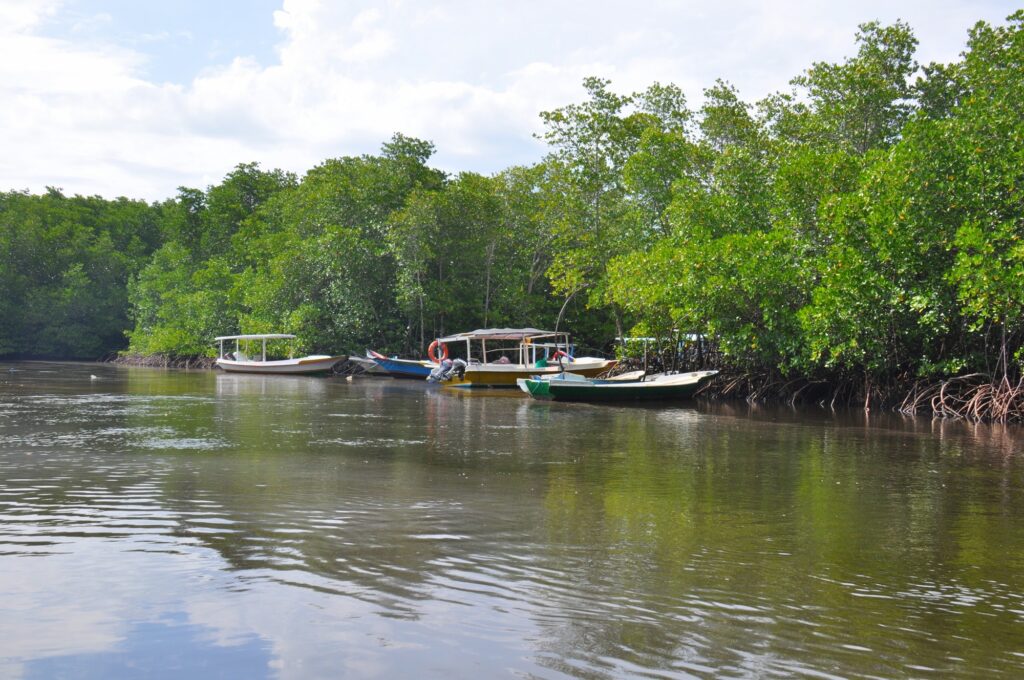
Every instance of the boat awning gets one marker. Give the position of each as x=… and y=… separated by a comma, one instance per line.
x=259, y=336
x=499, y=334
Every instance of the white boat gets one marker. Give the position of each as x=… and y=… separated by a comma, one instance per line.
x=240, y=361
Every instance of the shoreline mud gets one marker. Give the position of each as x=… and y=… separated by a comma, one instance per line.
x=162, y=361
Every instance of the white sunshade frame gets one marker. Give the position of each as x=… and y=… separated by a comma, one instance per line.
x=258, y=336
x=261, y=337
x=526, y=337
x=519, y=334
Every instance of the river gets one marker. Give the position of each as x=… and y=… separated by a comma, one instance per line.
x=196, y=524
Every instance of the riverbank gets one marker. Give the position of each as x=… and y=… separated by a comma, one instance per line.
x=976, y=397
x=345, y=368
x=162, y=361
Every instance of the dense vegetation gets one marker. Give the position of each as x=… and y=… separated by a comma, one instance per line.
x=64, y=263
x=856, y=234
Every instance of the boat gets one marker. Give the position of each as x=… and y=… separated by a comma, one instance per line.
x=571, y=387
x=401, y=368
x=239, y=361
x=498, y=357
x=368, y=365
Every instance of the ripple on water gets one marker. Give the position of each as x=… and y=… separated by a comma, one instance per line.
x=360, y=416
x=183, y=443
x=133, y=431
x=368, y=441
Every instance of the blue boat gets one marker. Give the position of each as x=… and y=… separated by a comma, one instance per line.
x=401, y=368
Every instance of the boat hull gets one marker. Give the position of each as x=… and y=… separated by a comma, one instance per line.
x=405, y=368
x=683, y=386
x=303, y=366
x=369, y=366
x=507, y=375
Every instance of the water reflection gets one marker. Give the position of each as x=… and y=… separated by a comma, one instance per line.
x=167, y=648
x=301, y=527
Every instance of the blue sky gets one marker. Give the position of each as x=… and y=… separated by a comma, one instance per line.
x=138, y=98
x=178, y=39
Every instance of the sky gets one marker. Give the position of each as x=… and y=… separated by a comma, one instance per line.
x=136, y=98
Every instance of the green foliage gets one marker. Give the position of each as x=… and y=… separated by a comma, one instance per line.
x=987, y=131
x=608, y=179
x=186, y=294
x=64, y=266
x=990, y=272
x=858, y=225
x=472, y=254
x=179, y=307
x=263, y=252
x=862, y=103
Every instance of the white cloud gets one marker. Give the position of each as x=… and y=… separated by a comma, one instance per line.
x=19, y=15
x=470, y=76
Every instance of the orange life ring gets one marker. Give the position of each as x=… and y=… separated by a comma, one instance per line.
x=431, y=351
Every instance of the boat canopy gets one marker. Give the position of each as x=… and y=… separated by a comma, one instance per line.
x=519, y=334
x=258, y=336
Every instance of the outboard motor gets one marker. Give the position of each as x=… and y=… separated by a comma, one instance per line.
x=446, y=369
x=442, y=370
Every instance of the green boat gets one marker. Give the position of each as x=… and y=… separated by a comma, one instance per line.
x=572, y=387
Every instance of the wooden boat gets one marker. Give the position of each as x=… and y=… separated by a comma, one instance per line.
x=368, y=365
x=571, y=387
x=401, y=368
x=239, y=361
x=498, y=357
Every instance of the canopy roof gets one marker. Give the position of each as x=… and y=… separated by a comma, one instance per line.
x=258, y=336
x=500, y=334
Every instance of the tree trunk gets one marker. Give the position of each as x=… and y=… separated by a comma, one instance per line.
x=620, y=334
x=565, y=304
x=422, y=330
x=1002, y=351
x=487, y=282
